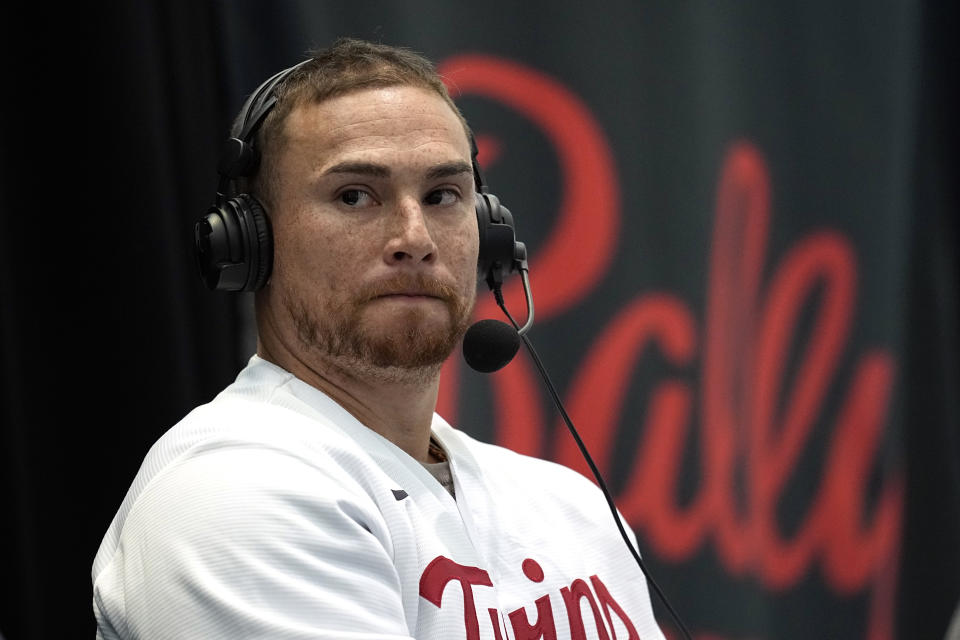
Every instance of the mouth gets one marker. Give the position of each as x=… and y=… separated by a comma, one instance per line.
x=418, y=289
x=408, y=294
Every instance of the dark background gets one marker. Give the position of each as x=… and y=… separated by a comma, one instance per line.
x=112, y=120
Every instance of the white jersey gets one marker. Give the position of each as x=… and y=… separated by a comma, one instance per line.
x=271, y=512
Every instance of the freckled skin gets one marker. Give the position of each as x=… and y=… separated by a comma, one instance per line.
x=359, y=225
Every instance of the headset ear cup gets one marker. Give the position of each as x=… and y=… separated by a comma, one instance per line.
x=259, y=241
x=498, y=242
x=219, y=248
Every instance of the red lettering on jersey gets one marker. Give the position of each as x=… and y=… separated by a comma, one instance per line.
x=572, y=595
x=439, y=573
x=495, y=621
x=608, y=604
x=533, y=570
x=543, y=628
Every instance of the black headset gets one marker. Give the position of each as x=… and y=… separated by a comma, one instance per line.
x=233, y=241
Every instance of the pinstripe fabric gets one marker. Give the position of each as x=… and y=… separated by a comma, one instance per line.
x=272, y=513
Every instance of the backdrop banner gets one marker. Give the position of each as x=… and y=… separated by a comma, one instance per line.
x=717, y=200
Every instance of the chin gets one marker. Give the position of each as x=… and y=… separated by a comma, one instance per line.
x=410, y=341
x=410, y=349
x=384, y=344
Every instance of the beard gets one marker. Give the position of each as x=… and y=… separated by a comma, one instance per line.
x=409, y=348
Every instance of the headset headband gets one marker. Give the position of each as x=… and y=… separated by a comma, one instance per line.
x=255, y=110
x=260, y=102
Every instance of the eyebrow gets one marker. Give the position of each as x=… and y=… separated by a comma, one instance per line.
x=444, y=170
x=362, y=168
x=448, y=169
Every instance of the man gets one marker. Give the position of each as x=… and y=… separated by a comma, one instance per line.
x=319, y=495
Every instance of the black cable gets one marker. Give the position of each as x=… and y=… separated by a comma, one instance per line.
x=593, y=467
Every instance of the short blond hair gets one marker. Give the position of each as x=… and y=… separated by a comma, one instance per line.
x=347, y=65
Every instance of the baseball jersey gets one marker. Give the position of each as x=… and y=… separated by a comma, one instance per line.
x=271, y=512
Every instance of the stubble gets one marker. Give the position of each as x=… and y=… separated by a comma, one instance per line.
x=406, y=351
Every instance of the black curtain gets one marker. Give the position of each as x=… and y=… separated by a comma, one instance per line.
x=930, y=574
x=113, y=115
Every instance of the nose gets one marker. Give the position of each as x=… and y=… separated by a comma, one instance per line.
x=409, y=238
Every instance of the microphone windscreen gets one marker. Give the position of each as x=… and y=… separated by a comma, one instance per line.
x=489, y=345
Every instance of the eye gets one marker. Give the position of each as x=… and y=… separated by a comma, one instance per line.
x=442, y=197
x=355, y=198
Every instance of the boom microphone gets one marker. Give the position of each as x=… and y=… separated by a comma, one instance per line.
x=489, y=345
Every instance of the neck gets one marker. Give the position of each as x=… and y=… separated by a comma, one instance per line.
x=395, y=402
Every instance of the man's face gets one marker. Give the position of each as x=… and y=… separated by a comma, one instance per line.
x=375, y=231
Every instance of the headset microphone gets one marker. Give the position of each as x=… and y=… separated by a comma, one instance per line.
x=489, y=345
x=492, y=345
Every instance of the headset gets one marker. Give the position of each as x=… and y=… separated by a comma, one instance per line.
x=233, y=239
